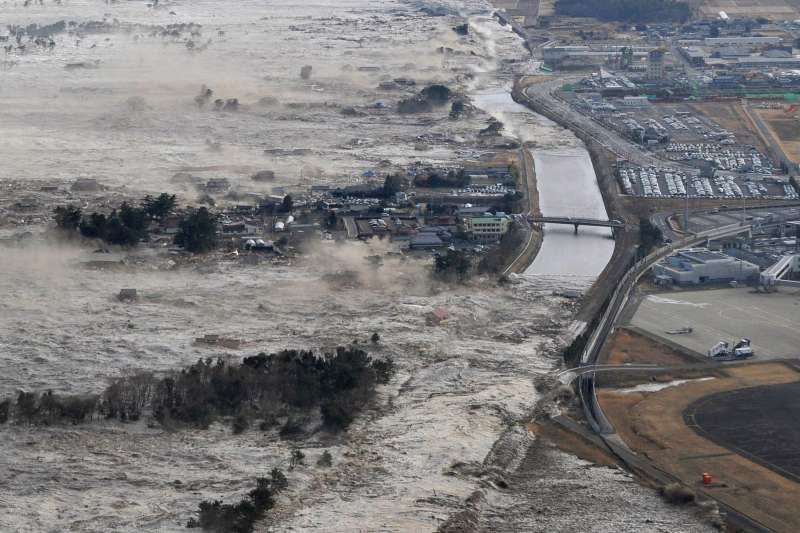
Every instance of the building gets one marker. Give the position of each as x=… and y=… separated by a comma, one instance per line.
x=695, y=266
x=741, y=41
x=655, y=65
x=486, y=228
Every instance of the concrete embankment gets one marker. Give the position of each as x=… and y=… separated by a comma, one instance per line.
x=534, y=241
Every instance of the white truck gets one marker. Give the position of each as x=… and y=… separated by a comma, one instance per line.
x=722, y=351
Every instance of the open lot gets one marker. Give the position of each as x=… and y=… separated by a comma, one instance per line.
x=785, y=129
x=731, y=116
x=769, y=320
x=771, y=9
x=652, y=423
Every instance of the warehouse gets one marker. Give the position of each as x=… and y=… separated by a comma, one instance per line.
x=696, y=266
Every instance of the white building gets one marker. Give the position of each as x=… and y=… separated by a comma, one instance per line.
x=486, y=228
x=695, y=266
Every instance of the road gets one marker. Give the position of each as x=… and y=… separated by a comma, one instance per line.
x=534, y=242
x=541, y=97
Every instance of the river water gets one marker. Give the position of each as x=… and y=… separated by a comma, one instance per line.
x=566, y=181
x=567, y=186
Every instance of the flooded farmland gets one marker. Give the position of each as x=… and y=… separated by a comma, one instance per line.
x=114, y=99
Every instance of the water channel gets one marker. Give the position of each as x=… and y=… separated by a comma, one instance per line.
x=567, y=186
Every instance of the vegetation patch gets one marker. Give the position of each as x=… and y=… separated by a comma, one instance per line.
x=240, y=517
x=336, y=385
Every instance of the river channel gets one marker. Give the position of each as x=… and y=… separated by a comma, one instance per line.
x=567, y=186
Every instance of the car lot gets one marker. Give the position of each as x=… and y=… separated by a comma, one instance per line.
x=770, y=321
x=667, y=182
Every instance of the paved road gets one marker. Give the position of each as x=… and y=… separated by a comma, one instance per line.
x=541, y=94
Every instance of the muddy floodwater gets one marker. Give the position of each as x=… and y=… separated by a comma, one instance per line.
x=115, y=98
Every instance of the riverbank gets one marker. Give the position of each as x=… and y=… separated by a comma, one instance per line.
x=626, y=238
x=535, y=234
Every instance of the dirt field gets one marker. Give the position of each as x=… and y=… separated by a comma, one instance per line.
x=630, y=347
x=771, y=9
x=652, y=424
x=732, y=117
x=785, y=128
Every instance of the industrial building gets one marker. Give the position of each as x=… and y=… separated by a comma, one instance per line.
x=695, y=266
x=571, y=55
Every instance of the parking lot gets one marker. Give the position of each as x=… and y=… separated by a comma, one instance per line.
x=666, y=182
x=770, y=321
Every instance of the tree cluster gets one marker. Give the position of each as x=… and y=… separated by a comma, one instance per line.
x=198, y=231
x=336, y=385
x=626, y=10
x=455, y=265
x=650, y=236
x=451, y=180
x=127, y=225
x=219, y=517
x=428, y=98
x=510, y=246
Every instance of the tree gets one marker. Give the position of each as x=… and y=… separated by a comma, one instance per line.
x=392, y=185
x=331, y=220
x=650, y=236
x=278, y=480
x=325, y=460
x=297, y=458
x=454, y=264
x=240, y=424
x=287, y=204
x=68, y=217
x=5, y=410
x=128, y=226
x=94, y=227
x=27, y=406
x=456, y=109
x=198, y=232
x=436, y=94
x=159, y=208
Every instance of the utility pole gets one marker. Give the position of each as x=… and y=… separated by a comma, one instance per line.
x=744, y=209
x=686, y=208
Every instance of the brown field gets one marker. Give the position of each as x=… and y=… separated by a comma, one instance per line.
x=785, y=128
x=652, y=424
x=771, y=9
x=731, y=116
x=631, y=347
